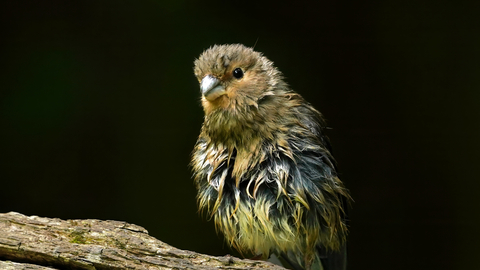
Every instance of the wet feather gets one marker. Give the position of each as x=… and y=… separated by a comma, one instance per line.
x=262, y=164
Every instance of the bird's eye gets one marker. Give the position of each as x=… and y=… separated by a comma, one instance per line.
x=237, y=73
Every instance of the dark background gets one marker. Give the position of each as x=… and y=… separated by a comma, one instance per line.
x=99, y=112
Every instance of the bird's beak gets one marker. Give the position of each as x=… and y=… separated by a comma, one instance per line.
x=211, y=88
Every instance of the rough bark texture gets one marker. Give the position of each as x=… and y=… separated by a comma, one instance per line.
x=51, y=243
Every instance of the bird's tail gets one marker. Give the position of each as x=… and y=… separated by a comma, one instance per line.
x=333, y=260
x=324, y=260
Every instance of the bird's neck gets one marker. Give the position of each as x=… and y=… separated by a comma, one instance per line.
x=237, y=129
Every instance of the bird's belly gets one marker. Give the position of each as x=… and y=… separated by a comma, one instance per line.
x=253, y=227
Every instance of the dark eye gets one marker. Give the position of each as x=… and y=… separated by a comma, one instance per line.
x=237, y=73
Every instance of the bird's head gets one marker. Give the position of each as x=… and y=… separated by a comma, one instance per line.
x=234, y=77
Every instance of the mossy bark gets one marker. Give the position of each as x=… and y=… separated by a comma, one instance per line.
x=51, y=243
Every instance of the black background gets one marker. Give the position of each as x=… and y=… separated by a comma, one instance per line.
x=99, y=112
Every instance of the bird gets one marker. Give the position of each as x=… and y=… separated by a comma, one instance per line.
x=263, y=166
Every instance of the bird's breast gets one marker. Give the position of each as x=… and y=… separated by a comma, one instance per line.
x=250, y=203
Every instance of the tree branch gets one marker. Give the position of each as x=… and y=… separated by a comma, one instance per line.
x=51, y=243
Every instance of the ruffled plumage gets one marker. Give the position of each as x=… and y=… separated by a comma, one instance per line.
x=262, y=163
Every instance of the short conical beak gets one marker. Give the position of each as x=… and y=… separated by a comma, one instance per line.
x=211, y=87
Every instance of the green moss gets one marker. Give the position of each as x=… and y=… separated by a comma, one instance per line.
x=77, y=237
x=119, y=244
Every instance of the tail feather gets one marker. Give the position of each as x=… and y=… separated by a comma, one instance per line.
x=334, y=260
x=325, y=260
